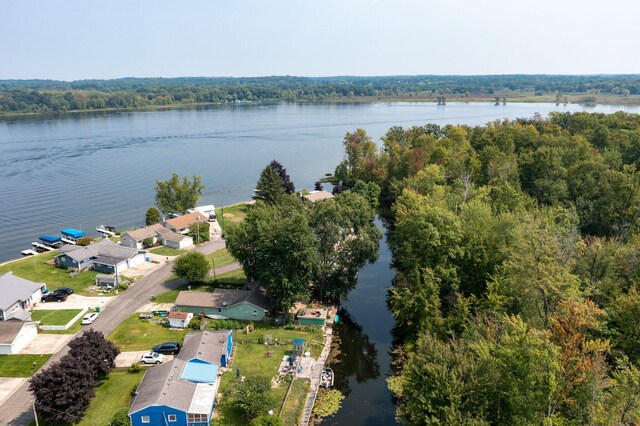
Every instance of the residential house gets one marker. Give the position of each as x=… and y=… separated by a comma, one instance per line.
x=225, y=303
x=182, y=392
x=15, y=335
x=104, y=256
x=17, y=295
x=208, y=347
x=181, y=224
x=167, y=397
x=313, y=196
x=135, y=239
x=179, y=319
x=176, y=241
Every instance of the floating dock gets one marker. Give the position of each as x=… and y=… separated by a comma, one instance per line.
x=109, y=231
x=42, y=247
x=70, y=235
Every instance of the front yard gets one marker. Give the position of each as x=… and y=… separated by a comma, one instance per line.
x=54, y=317
x=233, y=279
x=135, y=334
x=167, y=251
x=21, y=365
x=40, y=269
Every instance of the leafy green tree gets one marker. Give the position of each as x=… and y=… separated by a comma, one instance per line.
x=346, y=239
x=267, y=420
x=252, y=396
x=288, y=186
x=625, y=320
x=199, y=232
x=276, y=245
x=175, y=195
x=192, y=266
x=147, y=242
x=152, y=217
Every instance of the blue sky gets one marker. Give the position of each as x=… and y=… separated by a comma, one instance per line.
x=79, y=39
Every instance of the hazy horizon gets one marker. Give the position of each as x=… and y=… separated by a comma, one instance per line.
x=79, y=40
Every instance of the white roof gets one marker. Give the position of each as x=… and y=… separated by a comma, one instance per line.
x=14, y=289
x=203, y=398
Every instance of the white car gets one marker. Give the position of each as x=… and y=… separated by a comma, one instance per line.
x=152, y=358
x=89, y=318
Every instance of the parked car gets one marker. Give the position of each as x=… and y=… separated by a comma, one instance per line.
x=145, y=316
x=53, y=297
x=152, y=358
x=89, y=318
x=66, y=290
x=167, y=348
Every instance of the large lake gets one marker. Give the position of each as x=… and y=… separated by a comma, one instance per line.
x=83, y=170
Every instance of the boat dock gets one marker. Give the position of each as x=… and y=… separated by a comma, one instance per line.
x=42, y=247
x=316, y=375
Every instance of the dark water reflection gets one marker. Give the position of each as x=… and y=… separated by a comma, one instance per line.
x=365, y=331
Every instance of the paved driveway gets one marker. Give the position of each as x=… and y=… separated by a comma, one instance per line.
x=8, y=385
x=46, y=343
x=76, y=301
x=127, y=359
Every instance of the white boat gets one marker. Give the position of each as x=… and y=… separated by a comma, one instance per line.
x=326, y=378
x=106, y=230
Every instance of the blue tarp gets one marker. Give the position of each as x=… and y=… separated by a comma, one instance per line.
x=198, y=372
x=73, y=233
x=50, y=239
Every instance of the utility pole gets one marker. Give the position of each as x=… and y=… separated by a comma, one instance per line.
x=33, y=404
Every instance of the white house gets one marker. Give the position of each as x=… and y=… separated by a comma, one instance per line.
x=135, y=238
x=176, y=241
x=17, y=295
x=209, y=211
x=179, y=319
x=15, y=334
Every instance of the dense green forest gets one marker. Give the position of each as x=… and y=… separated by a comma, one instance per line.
x=43, y=96
x=516, y=247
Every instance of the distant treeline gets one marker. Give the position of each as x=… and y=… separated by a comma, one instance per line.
x=37, y=96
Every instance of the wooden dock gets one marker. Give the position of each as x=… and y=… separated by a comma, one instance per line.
x=315, y=378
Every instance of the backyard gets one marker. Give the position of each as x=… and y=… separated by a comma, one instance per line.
x=135, y=334
x=40, y=269
x=21, y=365
x=229, y=215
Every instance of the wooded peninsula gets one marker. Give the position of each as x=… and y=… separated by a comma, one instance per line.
x=50, y=96
x=515, y=246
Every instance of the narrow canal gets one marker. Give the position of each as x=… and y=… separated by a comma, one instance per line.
x=365, y=332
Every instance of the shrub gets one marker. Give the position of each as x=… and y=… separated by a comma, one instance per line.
x=252, y=395
x=192, y=266
x=134, y=368
x=121, y=418
x=122, y=286
x=83, y=241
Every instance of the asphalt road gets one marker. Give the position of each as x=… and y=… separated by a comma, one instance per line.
x=17, y=410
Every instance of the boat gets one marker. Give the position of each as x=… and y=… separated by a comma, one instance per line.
x=108, y=230
x=51, y=240
x=326, y=378
x=70, y=235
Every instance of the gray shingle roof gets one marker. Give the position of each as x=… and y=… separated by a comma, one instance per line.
x=208, y=346
x=9, y=330
x=222, y=298
x=173, y=236
x=106, y=248
x=148, y=232
x=162, y=385
x=14, y=289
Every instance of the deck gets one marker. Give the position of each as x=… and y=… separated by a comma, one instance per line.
x=316, y=371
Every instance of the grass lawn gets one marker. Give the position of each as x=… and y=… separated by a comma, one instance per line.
x=112, y=394
x=166, y=251
x=36, y=269
x=55, y=317
x=229, y=215
x=75, y=327
x=295, y=403
x=250, y=359
x=220, y=258
x=21, y=365
x=138, y=335
x=233, y=279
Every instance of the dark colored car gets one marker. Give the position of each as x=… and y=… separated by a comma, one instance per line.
x=54, y=296
x=171, y=348
x=66, y=290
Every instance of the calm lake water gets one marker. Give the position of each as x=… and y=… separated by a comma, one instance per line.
x=83, y=170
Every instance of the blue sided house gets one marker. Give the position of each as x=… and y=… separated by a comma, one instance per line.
x=182, y=392
x=104, y=256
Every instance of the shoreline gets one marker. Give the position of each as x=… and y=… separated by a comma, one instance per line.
x=524, y=98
